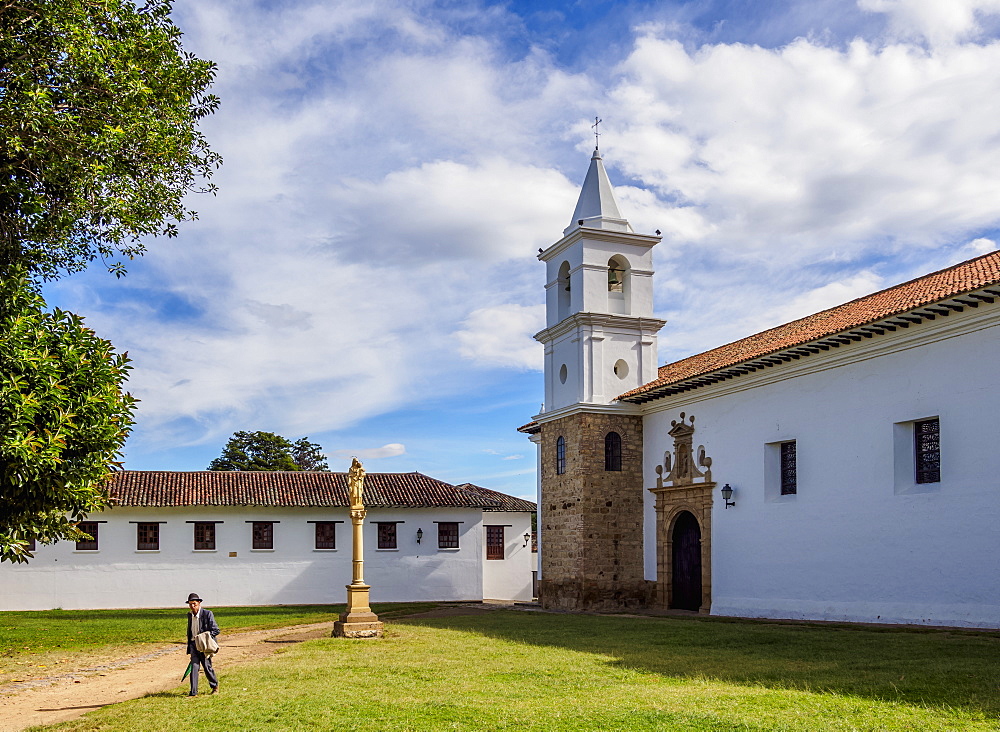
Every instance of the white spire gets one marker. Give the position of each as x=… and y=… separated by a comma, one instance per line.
x=597, y=208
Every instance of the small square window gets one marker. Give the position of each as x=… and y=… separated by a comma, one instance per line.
x=448, y=535
x=147, y=536
x=263, y=535
x=204, y=535
x=88, y=527
x=386, y=535
x=326, y=535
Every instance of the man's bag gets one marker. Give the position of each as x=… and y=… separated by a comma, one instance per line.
x=205, y=643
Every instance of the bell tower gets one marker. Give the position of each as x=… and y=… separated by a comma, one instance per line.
x=600, y=334
x=600, y=341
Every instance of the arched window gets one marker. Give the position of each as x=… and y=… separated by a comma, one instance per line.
x=560, y=455
x=618, y=285
x=613, y=451
x=563, y=291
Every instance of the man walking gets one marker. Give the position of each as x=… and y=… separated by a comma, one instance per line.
x=200, y=620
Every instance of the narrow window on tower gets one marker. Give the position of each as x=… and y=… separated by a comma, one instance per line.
x=789, y=469
x=613, y=452
x=560, y=455
x=927, y=450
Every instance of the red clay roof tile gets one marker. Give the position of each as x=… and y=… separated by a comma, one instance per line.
x=965, y=277
x=289, y=489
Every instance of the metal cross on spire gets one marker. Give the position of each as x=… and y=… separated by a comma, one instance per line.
x=597, y=135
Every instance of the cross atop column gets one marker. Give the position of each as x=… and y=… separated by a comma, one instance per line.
x=597, y=135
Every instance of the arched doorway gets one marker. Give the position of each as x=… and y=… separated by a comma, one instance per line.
x=686, y=563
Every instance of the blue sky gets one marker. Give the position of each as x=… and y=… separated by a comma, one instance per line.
x=366, y=276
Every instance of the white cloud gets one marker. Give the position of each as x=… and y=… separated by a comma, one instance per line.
x=980, y=246
x=513, y=457
x=393, y=449
x=939, y=21
x=501, y=335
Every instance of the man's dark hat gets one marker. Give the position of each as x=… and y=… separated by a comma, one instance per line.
x=194, y=596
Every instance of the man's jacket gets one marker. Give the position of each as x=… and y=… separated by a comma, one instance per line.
x=206, y=621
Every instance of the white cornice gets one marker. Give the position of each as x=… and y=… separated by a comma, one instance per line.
x=609, y=321
x=616, y=408
x=614, y=237
x=916, y=335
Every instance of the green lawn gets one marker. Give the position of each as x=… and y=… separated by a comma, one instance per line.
x=511, y=670
x=38, y=643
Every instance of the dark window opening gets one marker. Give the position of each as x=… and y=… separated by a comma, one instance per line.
x=263, y=535
x=326, y=535
x=386, y=536
x=927, y=436
x=204, y=535
x=494, y=542
x=88, y=527
x=789, y=469
x=448, y=535
x=560, y=455
x=613, y=452
x=147, y=536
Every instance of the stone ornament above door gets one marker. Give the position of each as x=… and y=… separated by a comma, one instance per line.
x=679, y=469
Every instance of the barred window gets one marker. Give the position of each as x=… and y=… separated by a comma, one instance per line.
x=560, y=455
x=263, y=535
x=386, y=535
x=147, y=536
x=447, y=535
x=494, y=542
x=789, y=469
x=613, y=452
x=88, y=527
x=927, y=437
x=204, y=535
x=326, y=535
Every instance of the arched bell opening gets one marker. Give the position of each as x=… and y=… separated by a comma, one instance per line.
x=563, y=291
x=618, y=285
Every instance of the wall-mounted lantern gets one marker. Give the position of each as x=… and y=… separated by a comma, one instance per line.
x=420, y=535
x=727, y=493
x=527, y=538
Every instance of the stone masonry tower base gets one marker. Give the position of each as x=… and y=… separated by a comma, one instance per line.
x=592, y=555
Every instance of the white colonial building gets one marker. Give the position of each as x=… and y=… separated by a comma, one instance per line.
x=263, y=538
x=858, y=445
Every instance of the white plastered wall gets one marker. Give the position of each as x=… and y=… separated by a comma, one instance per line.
x=855, y=542
x=509, y=578
x=293, y=573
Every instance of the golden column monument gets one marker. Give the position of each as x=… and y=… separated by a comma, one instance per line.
x=359, y=621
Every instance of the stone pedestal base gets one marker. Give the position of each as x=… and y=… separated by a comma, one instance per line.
x=359, y=621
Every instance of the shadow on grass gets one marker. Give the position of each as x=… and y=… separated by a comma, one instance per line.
x=925, y=667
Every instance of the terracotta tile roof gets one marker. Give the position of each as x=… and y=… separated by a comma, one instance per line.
x=530, y=428
x=965, y=277
x=500, y=501
x=156, y=488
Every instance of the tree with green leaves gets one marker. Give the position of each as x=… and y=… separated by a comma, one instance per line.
x=99, y=144
x=63, y=419
x=269, y=452
x=99, y=147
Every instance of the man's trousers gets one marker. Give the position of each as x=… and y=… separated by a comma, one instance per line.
x=199, y=659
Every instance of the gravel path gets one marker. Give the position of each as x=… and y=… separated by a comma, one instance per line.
x=52, y=699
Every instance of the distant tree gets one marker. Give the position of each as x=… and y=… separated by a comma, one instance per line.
x=63, y=419
x=99, y=146
x=309, y=456
x=268, y=451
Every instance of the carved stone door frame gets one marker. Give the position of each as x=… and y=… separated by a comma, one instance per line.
x=671, y=501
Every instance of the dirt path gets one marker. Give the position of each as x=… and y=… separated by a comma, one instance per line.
x=73, y=694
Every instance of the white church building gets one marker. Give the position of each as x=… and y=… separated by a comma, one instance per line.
x=839, y=467
x=281, y=538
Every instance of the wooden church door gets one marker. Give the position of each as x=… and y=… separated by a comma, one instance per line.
x=686, y=563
